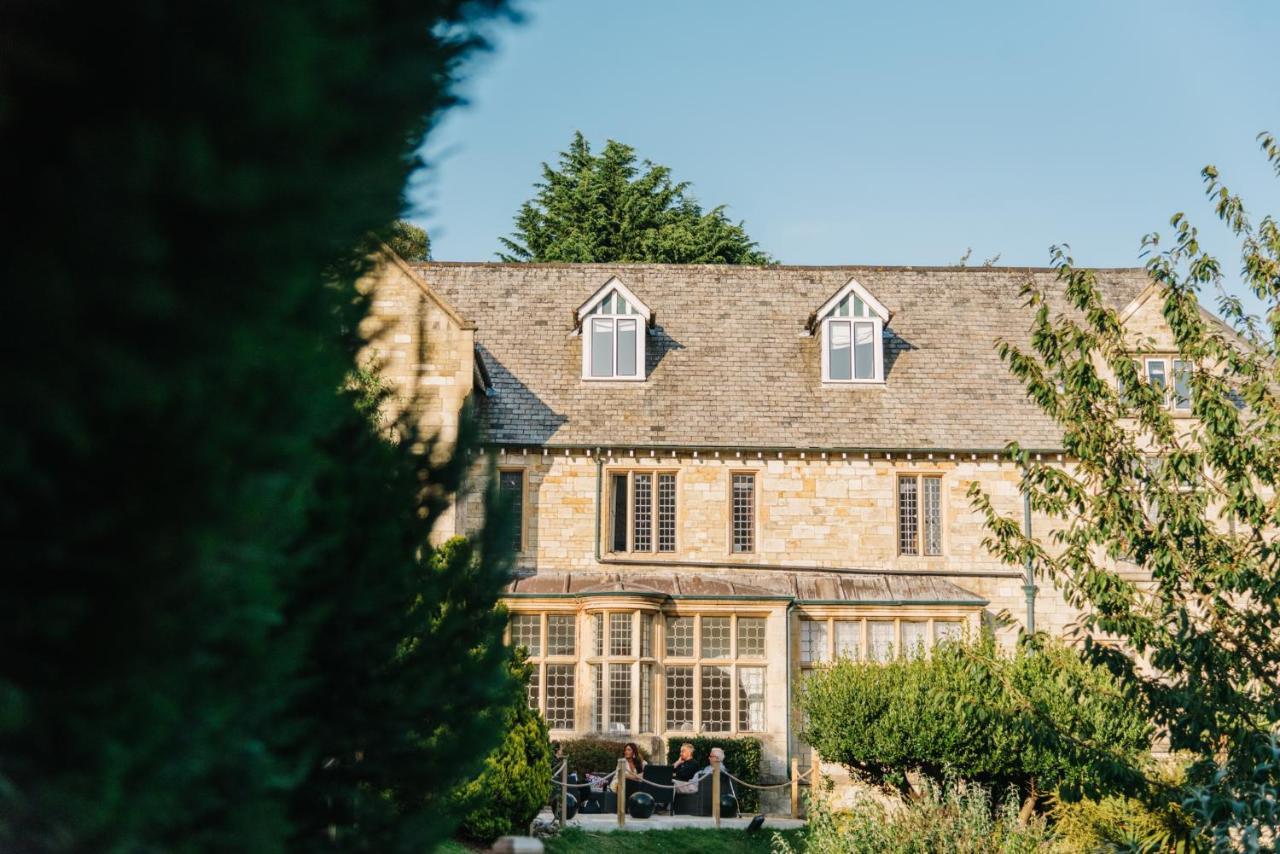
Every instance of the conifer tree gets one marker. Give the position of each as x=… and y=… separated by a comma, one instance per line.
x=200, y=535
x=608, y=208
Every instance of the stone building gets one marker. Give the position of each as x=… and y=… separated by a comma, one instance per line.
x=727, y=475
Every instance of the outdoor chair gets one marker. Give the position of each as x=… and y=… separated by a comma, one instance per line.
x=662, y=775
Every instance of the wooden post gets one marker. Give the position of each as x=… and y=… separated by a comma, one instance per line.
x=564, y=794
x=715, y=793
x=795, y=787
x=621, y=780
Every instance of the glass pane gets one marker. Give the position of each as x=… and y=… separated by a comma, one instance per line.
x=715, y=637
x=597, y=707
x=561, y=634
x=646, y=635
x=680, y=698
x=915, y=635
x=619, y=512
x=531, y=689
x=1156, y=375
x=599, y=633
x=511, y=484
x=744, y=517
x=751, y=699
x=859, y=307
x=642, y=512
x=646, y=699
x=813, y=641
x=560, y=696
x=849, y=639
x=1182, y=385
x=526, y=631
x=620, y=634
x=908, y=541
x=947, y=630
x=932, y=515
x=750, y=637
x=864, y=354
x=716, y=699
x=601, y=347
x=619, y=698
x=880, y=637
x=666, y=512
x=626, y=348
x=839, y=355
x=680, y=637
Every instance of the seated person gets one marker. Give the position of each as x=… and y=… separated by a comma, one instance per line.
x=635, y=766
x=684, y=770
x=717, y=758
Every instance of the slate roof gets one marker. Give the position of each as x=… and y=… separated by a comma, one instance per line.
x=730, y=364
x=801, y=586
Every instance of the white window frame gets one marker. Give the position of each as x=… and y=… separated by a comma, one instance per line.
x=877, y=316
x=586, y=324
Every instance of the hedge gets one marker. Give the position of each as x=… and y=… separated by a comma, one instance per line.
x=595, y=754
x=742, y=758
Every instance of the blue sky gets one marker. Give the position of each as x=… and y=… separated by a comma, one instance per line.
x=879, y=133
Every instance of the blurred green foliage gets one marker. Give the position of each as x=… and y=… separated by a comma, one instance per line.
x=221, y=627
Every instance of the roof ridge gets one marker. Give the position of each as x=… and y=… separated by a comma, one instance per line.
x=888, y=268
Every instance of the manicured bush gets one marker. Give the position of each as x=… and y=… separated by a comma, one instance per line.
x=516, y=780
x=1040, y=719
x=742, y=758
x=595, y=754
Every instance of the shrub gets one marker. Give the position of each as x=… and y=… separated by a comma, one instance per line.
x=516, y=780
x=1040, y=719
x=957, y=819
x=742, y=756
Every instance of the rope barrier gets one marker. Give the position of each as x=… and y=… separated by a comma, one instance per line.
x=754, y=785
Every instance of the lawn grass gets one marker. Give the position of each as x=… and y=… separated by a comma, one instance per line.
x=691, y=840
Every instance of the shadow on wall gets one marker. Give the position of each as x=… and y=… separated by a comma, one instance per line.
x=894, y=346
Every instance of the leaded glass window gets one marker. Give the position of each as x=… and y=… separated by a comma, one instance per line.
x=744, y=512
x=717, y=683
x=680, y=637
x=849, y=639
x=751, y=637
x=597, y=681
x=679, y=698
x=920, y=515
x=813, y=641
x=751, y=699
x=947, y=630
x=531, y=690
x=666, y=512
x=715, y=637
x=560, y=696
x=620, y=633
x=642, y=512
x=511, y=485
x=881, y=638
x=646, y=635
x=915, y=637
x=619, y=698
x=561, y=634
x=526, y=631
x=646, y=700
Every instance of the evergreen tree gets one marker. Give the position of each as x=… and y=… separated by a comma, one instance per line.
x=606, y=208
x=184, y=484
x=409, y=241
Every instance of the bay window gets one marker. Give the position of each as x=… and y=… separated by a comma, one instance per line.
x=551, y=643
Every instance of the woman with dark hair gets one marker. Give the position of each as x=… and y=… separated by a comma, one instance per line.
x=635, y=764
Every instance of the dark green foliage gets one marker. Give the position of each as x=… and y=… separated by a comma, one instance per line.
x=742, y=759
x=1189, y=503
x=516, y=781
x=595, y=754
x=1038, y=718
x=690, y=840
x=409, y=241
x=190, y=506
x=606, y=208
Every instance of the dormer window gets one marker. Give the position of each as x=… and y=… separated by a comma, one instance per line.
x=851, y=334
x=613, y=324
